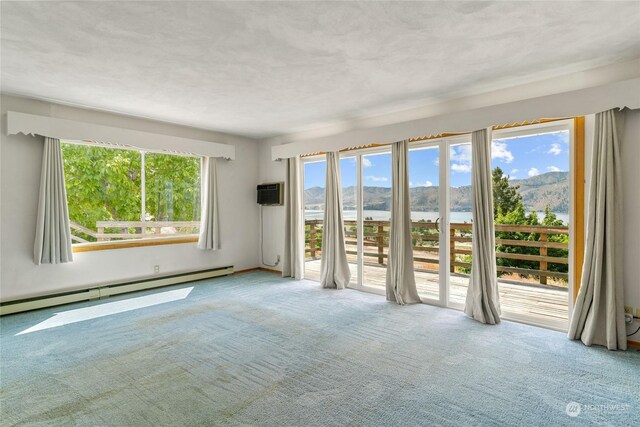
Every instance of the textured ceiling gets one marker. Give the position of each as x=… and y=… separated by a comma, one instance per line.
x=268, y=68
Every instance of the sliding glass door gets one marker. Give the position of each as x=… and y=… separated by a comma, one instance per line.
x=424, y=195
x=460, y=221
x=314, y=204
x=376, y=212
x=350, y=207
x=532, y=196
x=532, y=199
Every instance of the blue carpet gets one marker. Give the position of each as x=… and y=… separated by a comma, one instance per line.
x=255, y=349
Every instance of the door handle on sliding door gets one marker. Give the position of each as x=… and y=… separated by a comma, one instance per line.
x=437, y=228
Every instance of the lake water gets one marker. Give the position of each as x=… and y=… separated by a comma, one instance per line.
x=415, y=216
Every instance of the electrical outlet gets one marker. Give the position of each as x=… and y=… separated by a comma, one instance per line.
x=156, y=269
x=628, y=318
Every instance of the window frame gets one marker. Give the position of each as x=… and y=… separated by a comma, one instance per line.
x=133, y=243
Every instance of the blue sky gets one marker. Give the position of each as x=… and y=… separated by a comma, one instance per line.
x=519, y=158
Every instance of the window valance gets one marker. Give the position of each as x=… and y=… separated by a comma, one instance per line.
x=456, y=119
x=30, y=124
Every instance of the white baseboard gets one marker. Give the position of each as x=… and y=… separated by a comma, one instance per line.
x=108, y=290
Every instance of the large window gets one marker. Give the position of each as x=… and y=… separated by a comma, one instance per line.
x=119, y=194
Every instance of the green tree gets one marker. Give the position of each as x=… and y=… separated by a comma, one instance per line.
x=551, y=220
x=505, y=196
x=104, y=184
x=172, y=187
x=512, y=211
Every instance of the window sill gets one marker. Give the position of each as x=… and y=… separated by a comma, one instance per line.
x=103, y=246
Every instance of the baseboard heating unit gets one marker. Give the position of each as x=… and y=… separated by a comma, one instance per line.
x=110, y=289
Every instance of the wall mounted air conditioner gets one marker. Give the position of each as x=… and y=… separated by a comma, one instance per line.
x=271, y=194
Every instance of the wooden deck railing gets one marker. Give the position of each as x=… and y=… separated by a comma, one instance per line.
x=126, y=230
x=426, y=246
x=79, y=229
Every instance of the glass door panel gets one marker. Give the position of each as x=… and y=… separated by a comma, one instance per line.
x=376, y=205
x=459, y=222
x=314, y=191
x=530, y=171
x=349, y=177
x=425, y=216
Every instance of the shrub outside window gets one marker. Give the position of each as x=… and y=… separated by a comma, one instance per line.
x=117, y=194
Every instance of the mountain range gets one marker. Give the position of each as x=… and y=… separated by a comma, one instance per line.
x=551, y=188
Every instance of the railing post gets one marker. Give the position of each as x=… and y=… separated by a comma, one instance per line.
x=452, y=249
x=312, y=239
x=100, y=230
x=380, y=244
x=543, y=264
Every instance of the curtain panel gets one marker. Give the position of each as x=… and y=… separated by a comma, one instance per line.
x=598, y=314
x=293, y=263
x=209, y=238
x=334, y=268
x=483, y=300
x=53, y=236
x=400, y=280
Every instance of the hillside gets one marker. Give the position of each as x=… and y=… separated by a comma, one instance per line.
x=551, y=189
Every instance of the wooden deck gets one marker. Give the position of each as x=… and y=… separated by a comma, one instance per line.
x=533, y=303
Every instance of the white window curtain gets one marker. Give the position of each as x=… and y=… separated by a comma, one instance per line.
x=53, y=235
x=598, y=315
x=334, y=268
x=293, y=263
x=483, y=300
x=401, y=281
x=209, y=238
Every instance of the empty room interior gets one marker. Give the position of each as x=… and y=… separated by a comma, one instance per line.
x=319, y=213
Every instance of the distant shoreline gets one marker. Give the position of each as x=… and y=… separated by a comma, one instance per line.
x=456, y=216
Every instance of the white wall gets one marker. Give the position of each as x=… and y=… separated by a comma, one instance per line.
x=270, y=171
x=20, y=159
x=630, y=153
